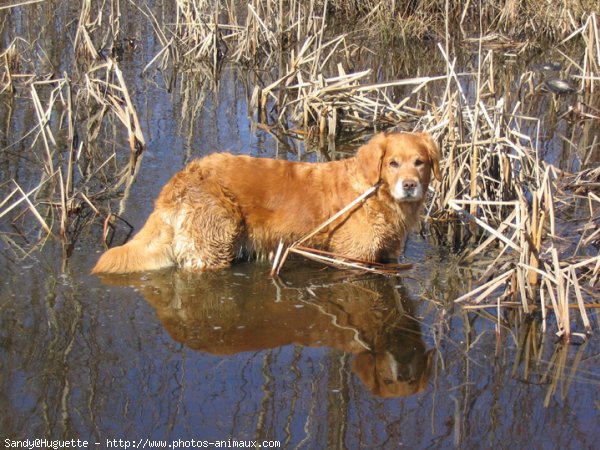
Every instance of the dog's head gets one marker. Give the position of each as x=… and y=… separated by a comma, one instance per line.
x=403, y=162
x=387, y=377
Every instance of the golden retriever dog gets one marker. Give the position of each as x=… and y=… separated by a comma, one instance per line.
x=223, y=206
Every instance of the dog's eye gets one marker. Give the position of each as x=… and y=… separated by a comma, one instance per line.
x=419, y=162
x=394, y=164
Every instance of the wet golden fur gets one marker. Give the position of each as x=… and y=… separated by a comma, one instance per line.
x=222, y=206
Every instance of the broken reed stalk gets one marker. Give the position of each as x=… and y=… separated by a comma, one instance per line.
x=34, y=210
x=329, y=258
x=518, y=305
x=499, y=183
x=22, y=3
x=340, y=261
x=128, y=117
x=474, y=188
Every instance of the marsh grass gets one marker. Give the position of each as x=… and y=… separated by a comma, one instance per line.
x=500, y=198
x=507, y=201
x=72, y=114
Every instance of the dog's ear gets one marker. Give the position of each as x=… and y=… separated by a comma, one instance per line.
x=370, y=157
x=434, y=154
x=424, y=378
x=363, y=366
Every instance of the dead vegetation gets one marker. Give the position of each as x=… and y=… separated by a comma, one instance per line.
x=512, y=203
x=501, y=200
x=76, y=170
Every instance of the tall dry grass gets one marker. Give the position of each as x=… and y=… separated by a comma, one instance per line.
x=499, y=197
x=501, y=194
x=72, y=110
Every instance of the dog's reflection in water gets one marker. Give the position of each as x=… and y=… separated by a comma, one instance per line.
x=225, y=312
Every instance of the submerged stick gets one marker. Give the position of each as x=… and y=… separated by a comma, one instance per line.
x=335, y=260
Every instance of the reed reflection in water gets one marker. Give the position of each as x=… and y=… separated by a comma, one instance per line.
x=312, y=359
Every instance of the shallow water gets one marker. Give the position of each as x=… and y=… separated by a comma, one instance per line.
x=316, y=358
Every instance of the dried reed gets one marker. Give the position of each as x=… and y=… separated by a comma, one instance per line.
x=498, y=196
x=499, y=184
x=64, y=200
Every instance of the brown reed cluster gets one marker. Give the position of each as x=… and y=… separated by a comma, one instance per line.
x=71, y=111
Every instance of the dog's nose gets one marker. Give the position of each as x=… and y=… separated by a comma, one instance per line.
x=409, y=185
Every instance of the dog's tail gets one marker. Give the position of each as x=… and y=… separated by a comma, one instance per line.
x=150, y=249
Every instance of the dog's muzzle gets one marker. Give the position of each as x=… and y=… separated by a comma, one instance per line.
x=408, y=191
